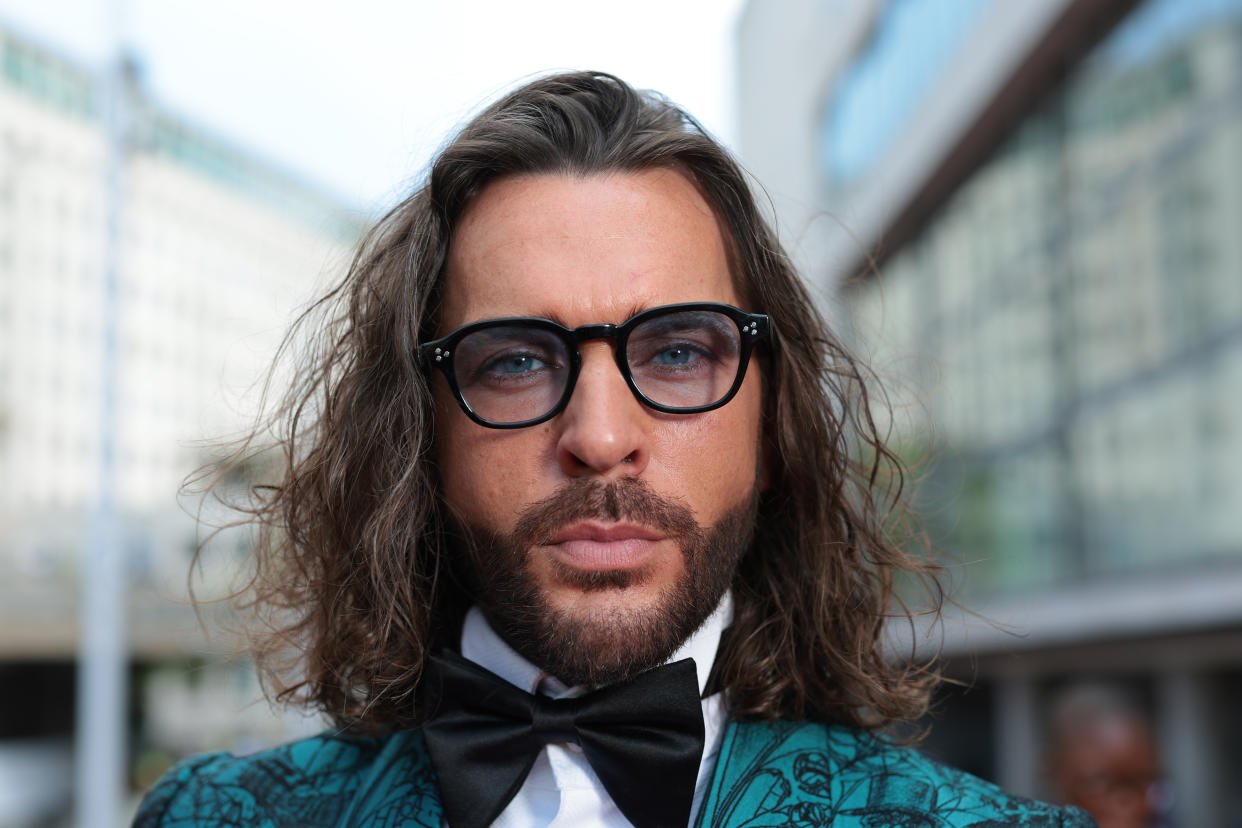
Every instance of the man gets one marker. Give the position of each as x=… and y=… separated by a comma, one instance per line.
x=1103, y=757
x=573, y=529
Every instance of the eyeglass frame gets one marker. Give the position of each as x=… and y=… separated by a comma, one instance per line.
x=752, y=329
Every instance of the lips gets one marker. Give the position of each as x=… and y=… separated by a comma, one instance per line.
x=605, y=546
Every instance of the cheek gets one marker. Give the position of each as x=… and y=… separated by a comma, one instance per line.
x=461, y=454
x=473, y=490
x=712, y=460
x=470, y=494
x=709, y=462
x=487, y=475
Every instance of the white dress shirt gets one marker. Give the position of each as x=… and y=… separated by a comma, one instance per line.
x=562, y=791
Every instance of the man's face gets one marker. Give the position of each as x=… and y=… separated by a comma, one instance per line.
x=1110, y=769
x=610, y=531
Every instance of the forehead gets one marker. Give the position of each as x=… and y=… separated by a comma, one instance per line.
x=584, y=249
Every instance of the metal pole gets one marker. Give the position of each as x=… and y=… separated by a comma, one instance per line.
x=100, y=753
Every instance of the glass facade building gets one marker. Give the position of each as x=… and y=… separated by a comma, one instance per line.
x=1073, y=319
x=1027, y=218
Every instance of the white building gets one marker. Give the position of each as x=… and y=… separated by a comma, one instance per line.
x=218, y=250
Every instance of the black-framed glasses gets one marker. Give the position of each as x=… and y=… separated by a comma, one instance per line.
x=521, y=371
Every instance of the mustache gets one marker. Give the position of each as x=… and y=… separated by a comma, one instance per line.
x=629, y=499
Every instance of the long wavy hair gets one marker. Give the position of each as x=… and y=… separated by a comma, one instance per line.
x=352, y=580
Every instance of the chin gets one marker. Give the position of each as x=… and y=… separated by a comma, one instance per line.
x=614, y=596
x=603, y=638
x=598, y=594
x=599, y=625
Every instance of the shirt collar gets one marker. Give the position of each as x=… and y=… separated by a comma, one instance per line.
x=481, y=644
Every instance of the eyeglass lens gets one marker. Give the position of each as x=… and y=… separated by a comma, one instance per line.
x=687, y=359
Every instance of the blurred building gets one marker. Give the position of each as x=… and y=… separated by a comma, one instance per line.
x=217, y=249
x=1028, y=215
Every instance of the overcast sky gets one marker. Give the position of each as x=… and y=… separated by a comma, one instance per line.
x=356, y=96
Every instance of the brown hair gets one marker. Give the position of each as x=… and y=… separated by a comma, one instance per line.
x=351, y=572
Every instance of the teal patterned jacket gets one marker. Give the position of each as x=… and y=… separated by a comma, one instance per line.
x=768, y=774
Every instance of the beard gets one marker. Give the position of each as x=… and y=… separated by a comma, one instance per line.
x=603, y=646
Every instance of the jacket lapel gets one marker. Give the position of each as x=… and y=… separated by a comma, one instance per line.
x=746, y=781
x=401, y=789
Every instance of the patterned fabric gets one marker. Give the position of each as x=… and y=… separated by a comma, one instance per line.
x=768, y=774
x=325, y=780
x=781, y=774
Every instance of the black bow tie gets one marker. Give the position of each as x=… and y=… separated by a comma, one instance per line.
x=643, y=738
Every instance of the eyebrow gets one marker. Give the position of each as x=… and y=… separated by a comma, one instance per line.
x=632, y=311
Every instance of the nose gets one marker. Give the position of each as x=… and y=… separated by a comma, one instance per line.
x=602, y=430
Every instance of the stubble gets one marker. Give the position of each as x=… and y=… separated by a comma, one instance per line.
x=603, y=646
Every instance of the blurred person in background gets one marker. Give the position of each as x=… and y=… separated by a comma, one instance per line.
x=1102, y=756
x=584, y=517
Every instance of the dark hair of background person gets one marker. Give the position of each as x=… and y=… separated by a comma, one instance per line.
x=354, y=583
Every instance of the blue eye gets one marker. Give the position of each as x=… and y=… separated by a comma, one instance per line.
x=518, y=364
x=679, y=355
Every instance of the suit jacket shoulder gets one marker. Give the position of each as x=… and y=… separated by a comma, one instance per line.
x=767, y=775
x=326, y=780
x=806, y=774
